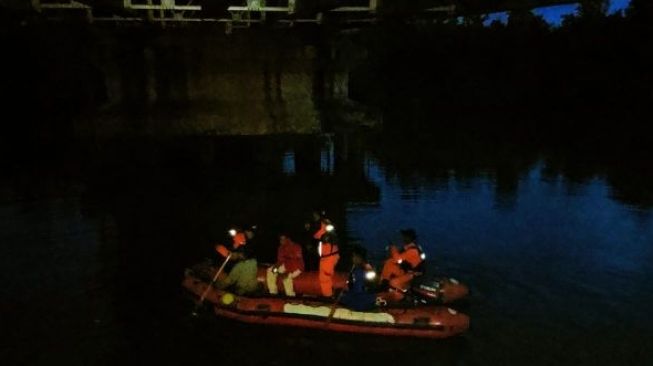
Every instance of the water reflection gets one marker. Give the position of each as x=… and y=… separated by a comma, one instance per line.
x=556, y=256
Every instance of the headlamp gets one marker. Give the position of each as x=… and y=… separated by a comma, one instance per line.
x=232, y=232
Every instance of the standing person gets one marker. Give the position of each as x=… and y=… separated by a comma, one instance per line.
x=358, y=297
x=315, y=228
x=290, y=264
x=329, y=256
x=404, y=265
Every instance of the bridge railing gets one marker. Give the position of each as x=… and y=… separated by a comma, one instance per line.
x=245, y=13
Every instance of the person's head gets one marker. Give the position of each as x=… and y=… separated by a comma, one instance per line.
x=316, y=215
x=358, y=256
x=283, y=238
x=239, y=239
x=408, y=236
x=249, y=232
x=357, y=259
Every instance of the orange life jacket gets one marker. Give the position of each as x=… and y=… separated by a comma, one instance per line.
x=325, y=249
x=412, y=255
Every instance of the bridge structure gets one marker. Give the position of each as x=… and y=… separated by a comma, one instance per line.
x=246, y=13
x=197, y=81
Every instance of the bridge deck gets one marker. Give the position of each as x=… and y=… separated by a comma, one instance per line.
x=281, y=11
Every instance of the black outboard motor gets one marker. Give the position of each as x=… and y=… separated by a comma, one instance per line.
x=440, y=290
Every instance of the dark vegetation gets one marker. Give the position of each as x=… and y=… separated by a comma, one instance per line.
x=593, y=62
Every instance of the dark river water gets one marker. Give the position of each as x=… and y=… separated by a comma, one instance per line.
x=555, y=242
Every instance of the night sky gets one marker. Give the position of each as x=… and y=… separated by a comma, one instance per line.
x=554, y=14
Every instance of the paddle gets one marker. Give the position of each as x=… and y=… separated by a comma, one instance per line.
x=215, y=278
x=332, y=312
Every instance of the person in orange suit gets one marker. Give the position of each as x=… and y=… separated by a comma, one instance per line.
x=239, y=239
x=403, y=265
x=329, y=256
x=315, y=228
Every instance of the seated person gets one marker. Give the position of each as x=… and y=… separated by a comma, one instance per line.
x=357, y=296
x=403, y=266
x=290, y=264
x=242, y=277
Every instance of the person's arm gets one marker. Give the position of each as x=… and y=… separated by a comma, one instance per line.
x=322, y=229
x=410, y=258
x=394, y=253
x=300, y=257
x=318, y=234
x=279, y=256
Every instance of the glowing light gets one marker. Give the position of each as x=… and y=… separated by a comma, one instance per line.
x=400, y=261
x=370, y=275
x=423, y=256
x=452, y=311
x=232, y=232
x=454, y=281
x=319, y=249
x=330, y=228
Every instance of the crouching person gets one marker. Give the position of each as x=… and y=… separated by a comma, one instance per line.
x=358, y=296
x=290, y=264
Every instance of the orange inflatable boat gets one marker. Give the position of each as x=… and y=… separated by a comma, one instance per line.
x=307, y=312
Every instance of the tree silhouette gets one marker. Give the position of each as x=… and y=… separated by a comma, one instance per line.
x=593, y=9
x=640, y=10
x=525, y=20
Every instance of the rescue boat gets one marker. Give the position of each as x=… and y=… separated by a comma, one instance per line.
x=423, y=322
